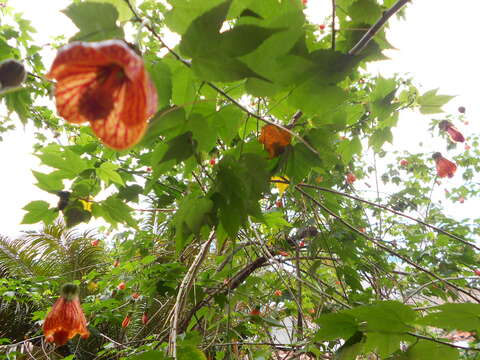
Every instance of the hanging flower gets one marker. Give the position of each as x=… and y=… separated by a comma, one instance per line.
x=274, y=139
x=66, y=319
x=455, y=135
x=106, y=84
x=145, y=319
x=126, y=321
x=351, y=178
x=444, y=167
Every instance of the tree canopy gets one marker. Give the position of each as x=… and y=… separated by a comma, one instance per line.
x=252, y=206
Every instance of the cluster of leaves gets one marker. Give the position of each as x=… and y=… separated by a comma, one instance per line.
x=356, y=276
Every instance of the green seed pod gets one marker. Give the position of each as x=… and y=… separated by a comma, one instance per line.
x=12, y=73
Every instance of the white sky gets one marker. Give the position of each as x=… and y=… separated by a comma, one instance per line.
x=437, y=45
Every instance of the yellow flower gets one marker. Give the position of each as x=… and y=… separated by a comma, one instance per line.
x=280, y=186
x=87, y=204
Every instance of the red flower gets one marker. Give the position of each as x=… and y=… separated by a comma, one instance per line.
x=66, y=319
x=135, y=295
x=95, y=242
x=351, y=178
x=403, y=162
x=126, y=321
x=455, y=135
x=105, y=84
x=444, y=167
x=213, y=161
x=121, y=286
x=145, y=319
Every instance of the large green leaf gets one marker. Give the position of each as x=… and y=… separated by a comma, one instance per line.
x=428, y=350
x=336, y=325
x=107, y=172
x=39, y=211
x=96, y=21
x=431, y=103
x=464, y=316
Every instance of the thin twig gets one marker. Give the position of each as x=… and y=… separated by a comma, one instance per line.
x=383, y=247
x=376, y=27
x=334, y=10
x=442, y=342
x=183, y=292
x=433, y=227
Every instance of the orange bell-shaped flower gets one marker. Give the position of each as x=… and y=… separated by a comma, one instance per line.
x=274, y=139
x=66, y=319
x=444, y=167
x=455, y=135
x=105, y=84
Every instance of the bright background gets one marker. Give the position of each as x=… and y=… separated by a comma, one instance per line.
x=437, y=45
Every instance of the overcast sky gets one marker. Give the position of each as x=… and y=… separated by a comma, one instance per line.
x=437, y=45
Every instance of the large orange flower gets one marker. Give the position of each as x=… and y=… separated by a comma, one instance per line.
x=274, y=139
x=66, y=319
x=105, y=84
x=444, y=167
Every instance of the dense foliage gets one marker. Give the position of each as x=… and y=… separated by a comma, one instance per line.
x=237, y=228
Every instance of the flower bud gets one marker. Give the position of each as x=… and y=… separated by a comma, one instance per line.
x=12, y=73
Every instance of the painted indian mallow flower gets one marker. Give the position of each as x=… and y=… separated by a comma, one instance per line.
x=105, y=84
x=66, y=319
x=455, y=135
x=444, y=167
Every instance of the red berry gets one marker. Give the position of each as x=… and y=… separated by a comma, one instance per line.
x=321, y=26
x=477, y=272
x=461, y=109
x=301, y=244
x=145, y=319
x=278, y=292
x=362, y=230
x=149, y=169
x=461, y=199
x=116, y=263
x=283, y=253
x=135, y=295
x=351, y=178
x=403, y=162
x=279, y=204
x=95, y=242
x=213, y=161
x=121, y=286
x=126, y=321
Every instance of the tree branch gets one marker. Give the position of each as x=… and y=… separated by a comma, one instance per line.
x=376, y=27
x=383, y=247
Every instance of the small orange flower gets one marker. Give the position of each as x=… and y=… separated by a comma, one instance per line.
x=455, y=135
x=126, y=321
x=444, y=167
x=351, y=178
x=66, y=319
x=135, y=295
x=278, y=293
x=105, y=84
x=121, y=286
x=274, y=139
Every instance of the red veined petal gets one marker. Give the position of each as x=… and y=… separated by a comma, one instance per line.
x=455, y=135
x=96, y=54
x=115, y=133
x=445, y=167
x=141, y=101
